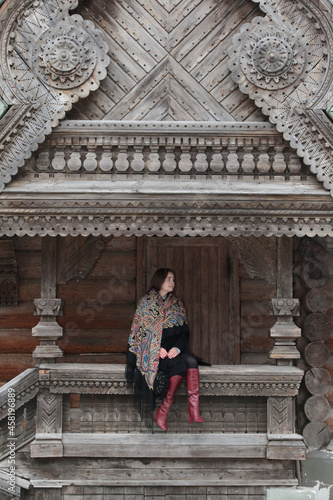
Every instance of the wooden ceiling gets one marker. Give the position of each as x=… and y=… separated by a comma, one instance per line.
x=168, y=61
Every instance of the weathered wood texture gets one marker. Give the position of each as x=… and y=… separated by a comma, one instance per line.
x=313, y=284
x=177, y=78
x=95, y=413
x=98, y=308
x=207, y=281
x=234, y=473
x=16, y=323
x=229, y=316
x=256, y=321
x=161, y=492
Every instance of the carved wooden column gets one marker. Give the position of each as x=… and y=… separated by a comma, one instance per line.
x=48, y=307
x=285, y=332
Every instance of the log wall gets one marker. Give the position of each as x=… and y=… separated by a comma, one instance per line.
x=99, y=308
x=313, y=285
x=16, y=322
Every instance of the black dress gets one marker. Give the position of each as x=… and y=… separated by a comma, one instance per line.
x=175, y=336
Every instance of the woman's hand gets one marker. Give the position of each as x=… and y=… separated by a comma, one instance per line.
x=163, y=353
x=173, y=353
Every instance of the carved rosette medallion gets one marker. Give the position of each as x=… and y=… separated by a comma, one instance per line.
x=272, y=58
x=281, y=61
x=68, y=56
x=48, y=60
x=65, y=57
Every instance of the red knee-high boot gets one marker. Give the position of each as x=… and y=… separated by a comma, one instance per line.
x=161, y=414
x=192, y=384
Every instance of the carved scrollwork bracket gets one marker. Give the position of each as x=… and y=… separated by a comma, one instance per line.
x=48, y=61
x=285, y=307
x=282, y=62
x=48, y=307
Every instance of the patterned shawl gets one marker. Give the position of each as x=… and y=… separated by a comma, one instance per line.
x=152, y=315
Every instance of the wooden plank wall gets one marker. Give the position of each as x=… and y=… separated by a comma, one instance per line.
x=16, y=341
x=168, y=64
x=256, y=321
x=205, y=274
x=98, y=310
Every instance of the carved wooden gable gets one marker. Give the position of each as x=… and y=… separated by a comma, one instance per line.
x=180, y=109
x=169, y=61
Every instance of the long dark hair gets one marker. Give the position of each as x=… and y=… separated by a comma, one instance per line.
x=159, y=277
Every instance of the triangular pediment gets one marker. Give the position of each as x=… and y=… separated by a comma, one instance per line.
x=168, y=62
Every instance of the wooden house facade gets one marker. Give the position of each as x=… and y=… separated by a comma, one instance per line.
x=190, y=134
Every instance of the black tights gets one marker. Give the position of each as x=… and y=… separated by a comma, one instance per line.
x=189, y=359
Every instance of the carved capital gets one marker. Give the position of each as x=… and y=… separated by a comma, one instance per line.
x=48, y=307
x=285, y=307
x=274, y=58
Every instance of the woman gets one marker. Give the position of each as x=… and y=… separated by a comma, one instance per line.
x=157, y=343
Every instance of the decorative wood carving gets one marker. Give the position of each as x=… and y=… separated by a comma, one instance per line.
x=285, y=307
x=49, y=413
x=285, y=331
x=77, y=256
x=49, y=60
x=25, y=386
x=280, y=68
x=149, y=218
x=175, y=79
x=8, y=274
x=232, y=381
x=281, y=415
x=48, y=307
x=124, y=150
x=257, y=256
x=241, y=414
x=49, y=425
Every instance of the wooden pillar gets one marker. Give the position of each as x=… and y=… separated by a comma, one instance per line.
x=284, y=306
x=48, y=307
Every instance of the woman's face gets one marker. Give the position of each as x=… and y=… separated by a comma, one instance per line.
x=167, y=285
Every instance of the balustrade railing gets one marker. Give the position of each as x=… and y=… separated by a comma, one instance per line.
x=18, y=410
x=78, y=401
x=250, y=152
